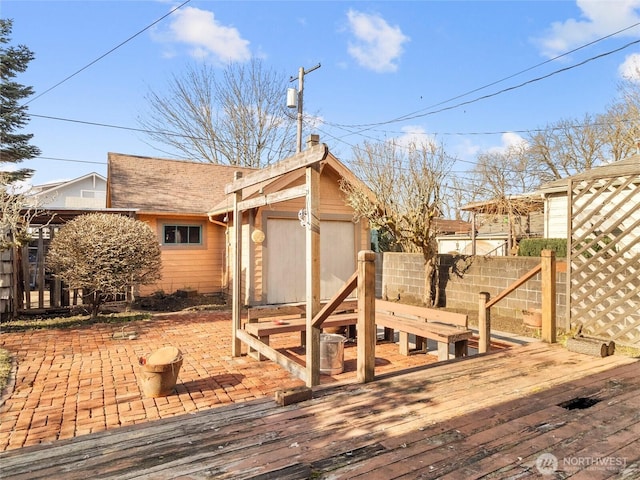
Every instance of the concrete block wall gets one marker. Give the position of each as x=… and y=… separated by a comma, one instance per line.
x=462, y=278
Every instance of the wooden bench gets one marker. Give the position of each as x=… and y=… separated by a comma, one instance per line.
x=293, y=323
x=425, y=323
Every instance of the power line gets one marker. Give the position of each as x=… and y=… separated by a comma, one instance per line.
x=107, y=53
x=68, y=160
x=413, y=115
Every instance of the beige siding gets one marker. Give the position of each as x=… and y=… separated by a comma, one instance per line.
x=201, y=267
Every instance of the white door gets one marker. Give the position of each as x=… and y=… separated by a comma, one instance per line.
x=285, y=242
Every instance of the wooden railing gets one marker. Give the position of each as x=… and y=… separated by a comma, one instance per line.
x=548, y=269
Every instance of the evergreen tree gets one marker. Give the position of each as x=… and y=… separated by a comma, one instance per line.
x=14, y=146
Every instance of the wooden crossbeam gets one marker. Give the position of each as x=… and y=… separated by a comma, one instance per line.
x=310, y=156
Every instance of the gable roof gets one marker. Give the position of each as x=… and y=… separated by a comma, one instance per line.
x=156, y=185
x=50, y=187
x=226, y=204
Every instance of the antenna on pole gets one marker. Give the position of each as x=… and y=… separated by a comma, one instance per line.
x=293, y=102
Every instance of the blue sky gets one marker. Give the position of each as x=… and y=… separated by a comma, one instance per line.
x=380, y=61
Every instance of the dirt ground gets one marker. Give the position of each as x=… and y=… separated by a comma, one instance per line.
x=179, y=301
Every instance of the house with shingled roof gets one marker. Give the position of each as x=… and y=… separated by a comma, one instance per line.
x=173, y=197
x=186, y=204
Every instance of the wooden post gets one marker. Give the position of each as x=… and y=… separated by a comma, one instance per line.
x=366, y=316
x=313, y=273
x=548, y=276
x=40, y=267
x=26, y=275
x=55, y=297
x=236, y=295
x=484, y=323
x=473, y=234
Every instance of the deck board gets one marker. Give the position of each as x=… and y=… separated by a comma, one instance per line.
x=486, y=416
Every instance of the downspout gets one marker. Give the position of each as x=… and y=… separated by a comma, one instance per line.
x=225, y=274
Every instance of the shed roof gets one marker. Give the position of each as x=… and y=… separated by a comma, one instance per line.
x=448, y=226
x=157, y=185
x=626, y=166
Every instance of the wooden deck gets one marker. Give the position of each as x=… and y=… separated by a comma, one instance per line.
x=487, y=416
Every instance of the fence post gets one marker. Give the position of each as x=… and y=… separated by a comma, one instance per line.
x=366, y=316
x=484, y=323
x=548, y=277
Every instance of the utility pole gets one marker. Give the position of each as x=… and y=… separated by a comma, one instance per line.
x=301, y=73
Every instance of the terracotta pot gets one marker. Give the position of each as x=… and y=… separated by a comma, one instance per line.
x=532, y=317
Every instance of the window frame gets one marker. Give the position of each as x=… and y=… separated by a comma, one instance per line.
x=176, y=225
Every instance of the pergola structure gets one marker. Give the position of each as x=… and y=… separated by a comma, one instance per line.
x=309, y=160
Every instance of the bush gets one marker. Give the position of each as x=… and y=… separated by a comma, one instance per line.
x=105, y=255
x=531, y=247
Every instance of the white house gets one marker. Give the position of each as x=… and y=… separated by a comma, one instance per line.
x=86, y=192
x=555, y=194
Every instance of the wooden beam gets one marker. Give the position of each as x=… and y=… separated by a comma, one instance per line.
x=271, y=198
x=40, y=267
x=313, y=273
x=304, y=159
x=340, y=296
x=26, y=274
x=236, y=295
x=273, y=355
x=366, y=316
x=484, y=323
x=531, y=273
x=548, y=295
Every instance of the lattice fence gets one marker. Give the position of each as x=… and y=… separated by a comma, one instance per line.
x=604, y=276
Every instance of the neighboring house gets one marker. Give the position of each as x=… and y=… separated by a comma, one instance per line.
x=55, y=204
x=185, y=203
x=173, y=197
x=86, y=192
x=453, y=235
x=555, y=194
x=489, y=234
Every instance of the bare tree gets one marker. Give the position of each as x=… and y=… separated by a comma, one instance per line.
x=403, y=197
x=622, y=122
x=15, y=216
x=239, y=118
x=505, y=177
x=567, y=147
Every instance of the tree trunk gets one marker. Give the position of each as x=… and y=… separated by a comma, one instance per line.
x=428, y=282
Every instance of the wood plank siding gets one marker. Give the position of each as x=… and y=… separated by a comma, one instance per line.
x=201, y=267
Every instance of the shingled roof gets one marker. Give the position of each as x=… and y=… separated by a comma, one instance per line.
x=157, y=185
x=626, y=166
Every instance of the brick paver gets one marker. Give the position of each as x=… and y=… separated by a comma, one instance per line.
x=72, y=382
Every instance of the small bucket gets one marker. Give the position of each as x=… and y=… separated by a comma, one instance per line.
x=159, y=372
x=331, y=353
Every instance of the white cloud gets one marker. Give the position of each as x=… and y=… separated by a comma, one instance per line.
x=510, y=141
x=205, y=36
x=376, y=45
x=630, y=69
x=598, y=19
x=414, y=134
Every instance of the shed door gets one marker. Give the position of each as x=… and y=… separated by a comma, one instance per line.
x=285, y=282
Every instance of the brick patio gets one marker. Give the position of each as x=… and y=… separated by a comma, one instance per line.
x=71, y=382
